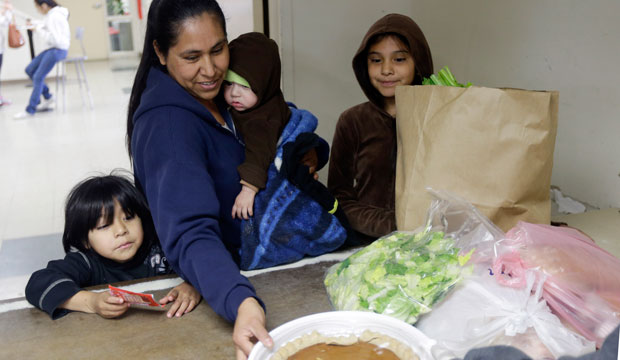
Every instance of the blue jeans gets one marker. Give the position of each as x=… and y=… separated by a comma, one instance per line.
x=37, y=70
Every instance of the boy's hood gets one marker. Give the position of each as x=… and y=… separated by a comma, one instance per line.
x=405, y=27
x=256, y=58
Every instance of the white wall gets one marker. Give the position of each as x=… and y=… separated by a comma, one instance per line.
x=239, y=16
x=566, y=45
x=89, y=14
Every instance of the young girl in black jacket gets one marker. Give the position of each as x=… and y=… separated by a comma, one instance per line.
x=109, y=237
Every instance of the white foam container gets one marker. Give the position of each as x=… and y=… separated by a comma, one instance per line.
x=343, y=323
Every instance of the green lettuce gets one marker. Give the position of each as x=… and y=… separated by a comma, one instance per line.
x=444, y=78
x=401, y=275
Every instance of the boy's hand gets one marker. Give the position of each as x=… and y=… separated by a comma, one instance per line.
x=311, y=160
x=107, y=305
x=244, y=203
x=185, y=298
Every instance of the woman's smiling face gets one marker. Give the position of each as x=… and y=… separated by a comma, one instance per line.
x=198, y=61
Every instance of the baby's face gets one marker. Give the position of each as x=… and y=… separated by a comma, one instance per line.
x=239, y=97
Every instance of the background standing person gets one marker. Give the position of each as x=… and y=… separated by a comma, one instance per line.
x=56, y=36
x=6, y=16
x=185, y=154
x=362, y=167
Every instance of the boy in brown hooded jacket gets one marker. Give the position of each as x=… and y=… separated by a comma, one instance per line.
x=260, y=113
x=362, y=166
x=258, y=108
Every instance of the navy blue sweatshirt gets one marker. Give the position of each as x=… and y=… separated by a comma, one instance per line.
x=185, y=162
x=48, y=288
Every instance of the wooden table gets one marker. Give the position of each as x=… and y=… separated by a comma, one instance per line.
x=31, y=334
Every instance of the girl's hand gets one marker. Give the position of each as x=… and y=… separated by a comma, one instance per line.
x=185, y=298
x=102, y=303
x=249, y=327
x=107, y=305
x=244, y=203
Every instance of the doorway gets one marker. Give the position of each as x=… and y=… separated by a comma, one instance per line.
x=122, y=28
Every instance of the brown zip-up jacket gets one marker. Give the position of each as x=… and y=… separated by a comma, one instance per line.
x=362, y=167
x=255, y=57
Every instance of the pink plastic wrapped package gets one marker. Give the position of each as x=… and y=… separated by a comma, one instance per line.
x=582, y=283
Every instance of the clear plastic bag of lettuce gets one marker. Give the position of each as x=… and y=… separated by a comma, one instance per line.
x=403, y=274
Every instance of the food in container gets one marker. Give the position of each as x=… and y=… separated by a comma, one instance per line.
x=386, y=334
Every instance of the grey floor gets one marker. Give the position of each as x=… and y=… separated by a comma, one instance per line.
x=44, y=156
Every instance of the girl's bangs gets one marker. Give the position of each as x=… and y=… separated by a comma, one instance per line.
x=128, y=204
x=103, y=206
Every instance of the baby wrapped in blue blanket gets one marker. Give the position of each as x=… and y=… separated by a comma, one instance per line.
x=290, y=223
x=291, y=214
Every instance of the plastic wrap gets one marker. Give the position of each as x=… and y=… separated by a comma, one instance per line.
x=404, y=274
x=481, y=312
x=582, y=283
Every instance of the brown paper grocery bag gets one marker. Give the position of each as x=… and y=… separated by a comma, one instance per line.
x=492, y=147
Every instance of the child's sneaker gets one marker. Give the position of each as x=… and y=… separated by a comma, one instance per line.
x=46, y=104
x=22, y=115
x=4, y=101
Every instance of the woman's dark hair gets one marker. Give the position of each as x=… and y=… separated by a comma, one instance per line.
x=50, y=3
x=165, y=18
x=93, y=198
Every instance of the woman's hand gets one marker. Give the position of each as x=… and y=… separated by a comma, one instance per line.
x=244, y=203
x=185, y=298
x=249, y=327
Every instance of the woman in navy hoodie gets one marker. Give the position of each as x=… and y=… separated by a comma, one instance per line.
x=185, y=153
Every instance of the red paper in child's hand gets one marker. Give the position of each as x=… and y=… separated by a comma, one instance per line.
x=134, y=298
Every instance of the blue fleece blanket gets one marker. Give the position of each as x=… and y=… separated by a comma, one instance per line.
x=287, y=224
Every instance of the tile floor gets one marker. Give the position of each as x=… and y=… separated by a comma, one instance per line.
x=43, y=157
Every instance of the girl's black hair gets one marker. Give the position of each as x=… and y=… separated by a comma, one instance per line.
x=93, y=198
x=165, y=18
x=50, y=3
